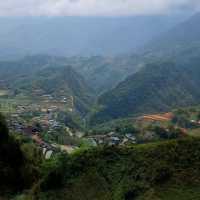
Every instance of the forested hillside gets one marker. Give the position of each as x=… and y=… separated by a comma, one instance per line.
x=104, y=73
x=169, y=81
x=164, y=171
x=35, y=77
x=100, y=73
x=18, y=170
x=157, y=87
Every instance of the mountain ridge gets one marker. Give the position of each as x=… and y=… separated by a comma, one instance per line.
x=157, y=87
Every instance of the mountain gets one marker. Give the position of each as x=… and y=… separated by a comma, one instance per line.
x=99, y=72
x=180, y=44
x=38, y=76
x=158, y=87
x=103, y=73
x=178, y=41
x=84, y=36
x=60, y=81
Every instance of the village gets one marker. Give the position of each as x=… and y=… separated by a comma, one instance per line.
x=41, y=123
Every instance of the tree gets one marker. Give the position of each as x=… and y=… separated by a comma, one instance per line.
x=161, y=132
x=198, y=116
x=3, y=129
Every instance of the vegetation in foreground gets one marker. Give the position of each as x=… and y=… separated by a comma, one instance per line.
x=163, y=170
x=168, y=170
x=18, y=163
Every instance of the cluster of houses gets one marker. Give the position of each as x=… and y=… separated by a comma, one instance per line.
x=46, y=120
x=46, y=117
x=195, y=122
x=112, y=138
x=61, y=100
x=33, y=133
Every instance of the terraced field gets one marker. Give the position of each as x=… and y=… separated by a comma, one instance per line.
x=157, y=117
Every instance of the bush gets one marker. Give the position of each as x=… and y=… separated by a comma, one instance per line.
x=54, y=172
x=3, y=130
x=18, y=170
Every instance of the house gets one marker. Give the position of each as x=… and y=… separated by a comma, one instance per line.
x=99, y=139
x=114, y=141
x=131, y=137
x=48, y=154
x=79, y=134
x=124, y=141
x=92, y=142
x=65, y=148
x=111, y=133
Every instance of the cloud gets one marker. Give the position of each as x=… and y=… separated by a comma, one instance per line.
x=94, y=7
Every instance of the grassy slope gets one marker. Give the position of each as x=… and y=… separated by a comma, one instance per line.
x=163, y=171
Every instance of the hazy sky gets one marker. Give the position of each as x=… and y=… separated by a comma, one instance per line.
x=95, y=7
